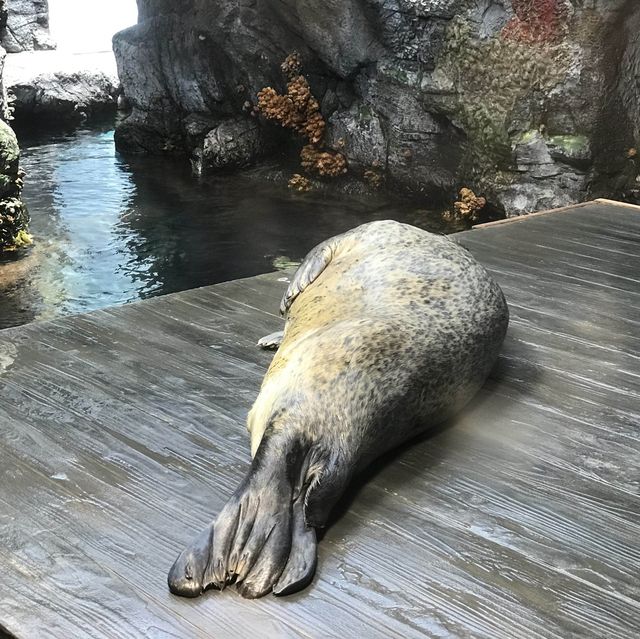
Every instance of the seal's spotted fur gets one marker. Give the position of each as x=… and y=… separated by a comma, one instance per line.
x=389, y=330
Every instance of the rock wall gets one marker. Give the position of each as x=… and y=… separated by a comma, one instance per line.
x=532, y=102
x=13, y=213
x=14, y=217
x=25, y=26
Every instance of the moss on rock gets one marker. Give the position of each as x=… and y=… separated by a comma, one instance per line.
x=492, y=77
x=572, y=149
x=14, y=217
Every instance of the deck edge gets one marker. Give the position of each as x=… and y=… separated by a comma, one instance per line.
x=628, y=205
x=528, y=216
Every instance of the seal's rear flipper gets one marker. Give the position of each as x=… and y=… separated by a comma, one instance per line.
x=259, y=540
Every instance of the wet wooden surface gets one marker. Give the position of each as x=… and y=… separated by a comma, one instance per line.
x=122, y=433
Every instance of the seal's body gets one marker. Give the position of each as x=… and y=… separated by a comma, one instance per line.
x=389, y=330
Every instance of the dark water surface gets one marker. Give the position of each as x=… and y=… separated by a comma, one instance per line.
x=110, y=230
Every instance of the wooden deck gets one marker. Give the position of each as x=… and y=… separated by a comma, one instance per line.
x=122, y=433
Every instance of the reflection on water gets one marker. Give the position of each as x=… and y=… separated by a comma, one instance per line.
x=110, y=230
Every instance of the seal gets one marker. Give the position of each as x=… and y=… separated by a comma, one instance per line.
x=389, y=331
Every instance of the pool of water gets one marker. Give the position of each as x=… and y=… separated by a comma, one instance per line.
x=109, y=230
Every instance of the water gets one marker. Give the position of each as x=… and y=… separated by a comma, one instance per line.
x=109, y=230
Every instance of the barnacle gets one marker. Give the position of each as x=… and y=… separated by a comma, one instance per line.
x=469, y=205
x=299, y=110
x=299, y=183
x=373, y=178
x=292, y=65
x=324, y=163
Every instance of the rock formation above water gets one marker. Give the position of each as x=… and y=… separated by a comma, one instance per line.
x=14, y=216
x=13, y=213
x=533, y=103
x=59, y=87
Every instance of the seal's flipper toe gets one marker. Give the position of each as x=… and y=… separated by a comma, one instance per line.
x=271, y=341
x=246, y=520
x=270, y=560
x=237, y=515
x=263, y=552
x=303, y=557
x=186, y=577
x=315, y=262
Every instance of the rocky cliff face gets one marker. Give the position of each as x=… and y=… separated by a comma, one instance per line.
x=531, y=102
x=13, y=213
x=25, y=25
x=14, y=217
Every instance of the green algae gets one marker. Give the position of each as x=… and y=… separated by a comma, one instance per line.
x=14, y=217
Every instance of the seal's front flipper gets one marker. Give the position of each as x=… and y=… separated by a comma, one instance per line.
x=315, y=262
x=186, y=577
x=301, y=566
x=271, y=341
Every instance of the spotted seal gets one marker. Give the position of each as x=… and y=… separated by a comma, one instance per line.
x=389, y=330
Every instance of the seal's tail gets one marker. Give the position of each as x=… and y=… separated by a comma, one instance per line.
x=261, y=540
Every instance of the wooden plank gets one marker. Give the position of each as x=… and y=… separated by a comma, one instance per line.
x=122, y=433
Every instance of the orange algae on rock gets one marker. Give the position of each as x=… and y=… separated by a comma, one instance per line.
x=299, y=110
x=467, y=208
x=299, y=183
